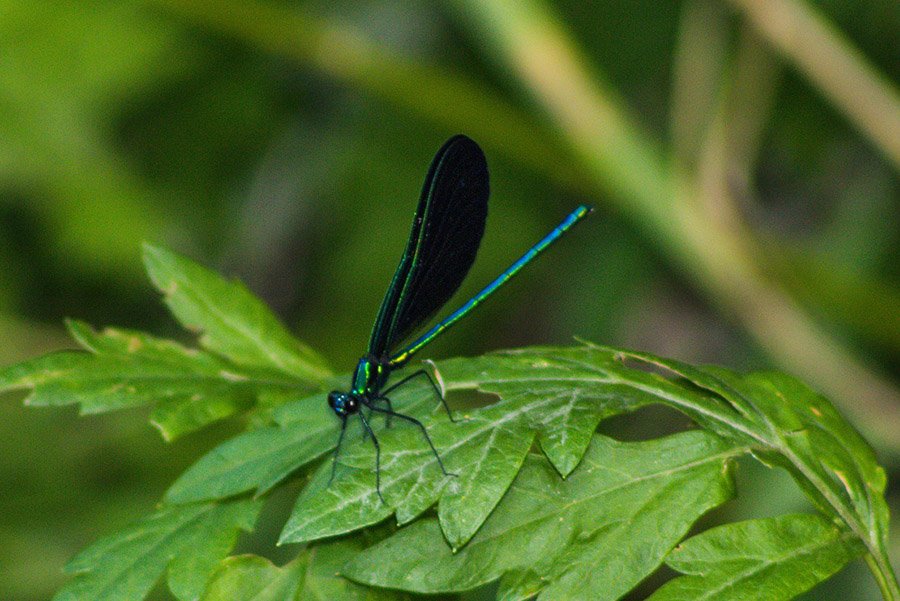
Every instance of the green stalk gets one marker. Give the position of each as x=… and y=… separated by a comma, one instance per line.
x=829, y=60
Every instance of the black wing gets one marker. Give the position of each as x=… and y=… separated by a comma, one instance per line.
x=446, y=232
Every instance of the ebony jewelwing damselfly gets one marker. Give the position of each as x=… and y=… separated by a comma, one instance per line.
x=446, y=232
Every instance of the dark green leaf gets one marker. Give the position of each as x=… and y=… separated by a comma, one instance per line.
x=233, y=321
x=561, y=395
x=791, y=426
x=592, y=536
x=123, y=368
x=554, y=396
x=189, y=541
x=773, y=559
x=257, y=460
x=540, y=391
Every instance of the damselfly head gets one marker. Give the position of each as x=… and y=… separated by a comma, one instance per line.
x=343, y=403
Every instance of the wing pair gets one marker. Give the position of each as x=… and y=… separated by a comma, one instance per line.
x=446, y=232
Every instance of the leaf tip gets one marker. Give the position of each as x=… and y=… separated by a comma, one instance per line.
x=284, y=538
x=148, y=249
x=167, y=435
x=154, y=258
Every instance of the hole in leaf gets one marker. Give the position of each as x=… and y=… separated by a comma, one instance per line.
x=646, y=423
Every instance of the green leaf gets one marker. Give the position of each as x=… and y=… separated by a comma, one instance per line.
x=552, y=396
x=593, y=536
x=257, y=460
x=124, y=368
x=188, y=541
x=261, y=458
x=233, y=321
x=772, y=559
x=791, y=426
x=561, y=395
x=312, y=576
x=255, y=579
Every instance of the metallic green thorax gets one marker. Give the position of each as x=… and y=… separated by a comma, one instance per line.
x=369, y=377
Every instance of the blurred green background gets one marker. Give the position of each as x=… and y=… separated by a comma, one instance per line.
x=741, y=154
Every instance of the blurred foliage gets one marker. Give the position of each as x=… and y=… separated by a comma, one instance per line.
x=285, y=144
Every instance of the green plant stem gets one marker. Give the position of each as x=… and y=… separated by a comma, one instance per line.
x=866, y=305
x=751, y=89
x=745, y=93
x=700, y=53
x=833, y=64
x=884, y=576
x=623, y=162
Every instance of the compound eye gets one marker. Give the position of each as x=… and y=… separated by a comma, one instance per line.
x=352, y=404
x=334, y=398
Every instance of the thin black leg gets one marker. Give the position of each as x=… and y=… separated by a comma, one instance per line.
x=337, y=449
x=437, y=390
x=377, y=453
x=387, y=420
x=365, y=432
x=390, y=406
x=413, y=420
